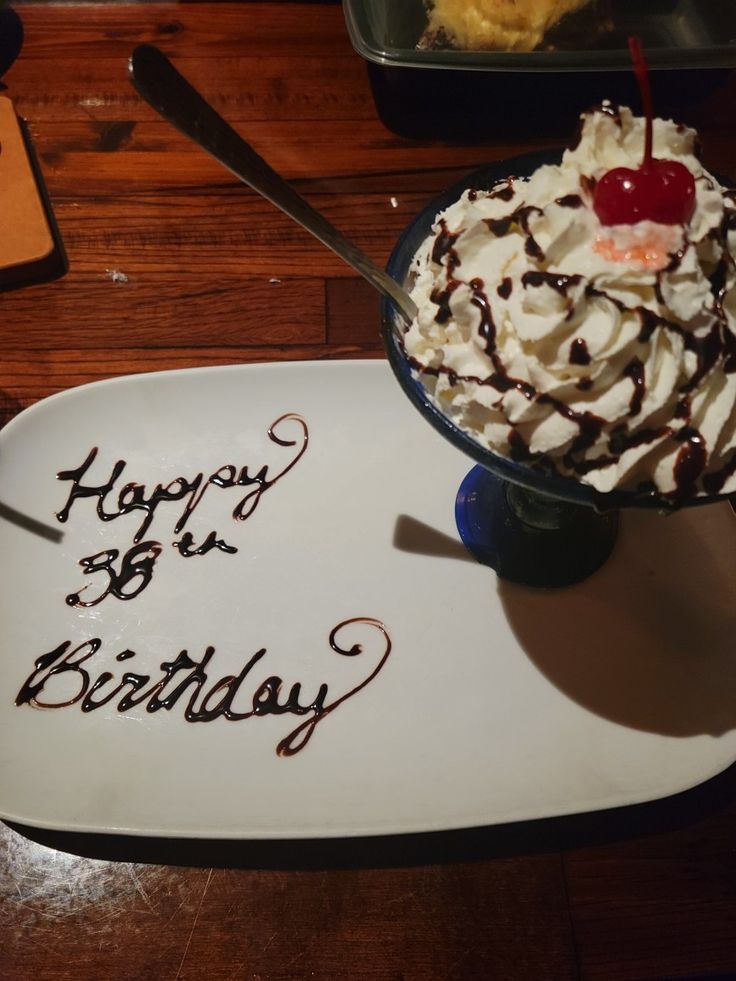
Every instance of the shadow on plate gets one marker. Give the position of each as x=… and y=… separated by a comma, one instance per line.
x=412, y=535
x=648, y=641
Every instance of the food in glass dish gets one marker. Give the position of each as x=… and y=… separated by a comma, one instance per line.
x=493, y=25
x=583, y=320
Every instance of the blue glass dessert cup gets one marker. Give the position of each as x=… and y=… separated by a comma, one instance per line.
x=533, y=526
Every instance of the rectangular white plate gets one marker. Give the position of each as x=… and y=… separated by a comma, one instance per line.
x=494, y=703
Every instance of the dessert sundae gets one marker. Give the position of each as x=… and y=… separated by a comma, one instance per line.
x=583, y=319
x=501, y=25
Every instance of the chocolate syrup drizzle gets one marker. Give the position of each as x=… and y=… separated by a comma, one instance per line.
x=579, y=353
x=719, y=344
x=187, y=548
x=522, y=218
x=185, y=678
x=635, y=371
x=504, y=191
x=505, y=287
x=126, y=575
x=135, y=497
x=570, y=201
x=559, y=282
x=444, y=245
x=605, y=109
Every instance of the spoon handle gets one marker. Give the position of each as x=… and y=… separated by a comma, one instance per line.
x=180, y=104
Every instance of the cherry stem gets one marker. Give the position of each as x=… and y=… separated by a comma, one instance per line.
x=641, y=70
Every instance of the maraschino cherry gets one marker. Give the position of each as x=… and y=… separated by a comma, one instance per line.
x=660, y=190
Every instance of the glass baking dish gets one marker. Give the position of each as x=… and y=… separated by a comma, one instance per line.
x=675, y=34
x=482, y=96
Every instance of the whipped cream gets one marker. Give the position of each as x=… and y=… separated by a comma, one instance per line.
x=607, y=352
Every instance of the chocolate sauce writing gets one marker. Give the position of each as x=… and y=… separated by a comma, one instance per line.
x=62, y=678
x=129, y=574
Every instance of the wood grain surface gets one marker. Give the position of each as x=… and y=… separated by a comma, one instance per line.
x=173, y=263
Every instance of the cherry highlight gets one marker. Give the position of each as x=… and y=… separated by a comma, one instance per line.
x=661, y=191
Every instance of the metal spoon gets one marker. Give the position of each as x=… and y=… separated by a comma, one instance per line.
x=179, y=103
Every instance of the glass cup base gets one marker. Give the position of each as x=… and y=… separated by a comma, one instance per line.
x=528, y=537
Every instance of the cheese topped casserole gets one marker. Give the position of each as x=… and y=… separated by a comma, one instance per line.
x=501, y=25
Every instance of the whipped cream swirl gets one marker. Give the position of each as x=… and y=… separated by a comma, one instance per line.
x=608, y=353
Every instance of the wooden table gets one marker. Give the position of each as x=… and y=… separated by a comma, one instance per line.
x=173, y=264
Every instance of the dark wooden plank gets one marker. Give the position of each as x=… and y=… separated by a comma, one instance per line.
x=658, y=906
x=236, y=30
x=131, y=304
x=372, y=159
x=280, y=910
x=249, y=89
x=433, y=923
x=68, y=917
x=353, y=312
x=231, y=232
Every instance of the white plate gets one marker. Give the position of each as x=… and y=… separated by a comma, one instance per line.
x=494, y=703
